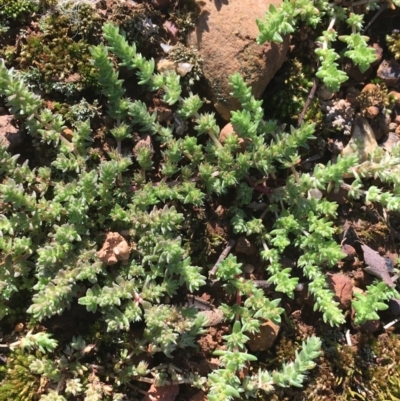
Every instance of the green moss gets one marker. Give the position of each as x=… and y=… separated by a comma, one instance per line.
x=55, y=60
x=16, y=10
x=19, y=383
x=393, y=42
x=287, y=94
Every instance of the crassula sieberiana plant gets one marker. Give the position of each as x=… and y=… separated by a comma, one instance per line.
x=57, y=216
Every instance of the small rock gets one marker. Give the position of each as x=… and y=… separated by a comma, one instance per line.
x=392, y=127
x=227, y=130
x=243, y=245
x=265, y=338
x=362, y=141
x=389, y=72
x=114, y=249
x=371, y=112
x=225, y=36
x=67, y=133
x=342, y=286
x=391, y=140
x=324, y=93
x=19, y=327
x=165, y=65
x=10, y=136
x=349, y=251
x=248, y=268
x=369, y=88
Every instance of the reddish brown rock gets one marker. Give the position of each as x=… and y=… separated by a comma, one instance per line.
x=10, y=136
x=265, y=338
x=342, y=286
x=372, y=111
x=114, y=249
x=225, y=36
x=229, y=130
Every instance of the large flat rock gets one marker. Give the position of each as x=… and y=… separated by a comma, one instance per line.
x=225, y=36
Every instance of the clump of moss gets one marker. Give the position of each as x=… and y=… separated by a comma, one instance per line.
x=19, y=383
x=287, y=94
x=141, y=24
x=385, y=372
x=16, y=10
x=183, y=54
x=55, y=61
x=393, y=42
x=373, y=95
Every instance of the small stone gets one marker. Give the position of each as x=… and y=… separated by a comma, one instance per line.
x=68, y=134
x=369, y=88
x=243, y=245
x=248, y=268
x=392, y=127
x=324, y=93
x=114, y=249
x=389, y=72
x=214, y=317
x=165, y=65
x=372, y=111
x=391, y=140
x=349, y=251
x=229, y=130
x=10, y=136
x=19, y=327
x=265, y=338
x=362, y=141
x=342, y=286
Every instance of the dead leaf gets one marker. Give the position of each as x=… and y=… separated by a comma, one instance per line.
x=376, y=265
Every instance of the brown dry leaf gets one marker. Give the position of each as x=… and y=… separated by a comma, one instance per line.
x=164, y=393
x=376, y=265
